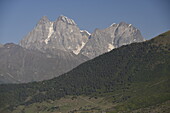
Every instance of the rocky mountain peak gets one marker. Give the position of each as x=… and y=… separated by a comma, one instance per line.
x=66, y=20
x=123, y=23
x=43, y=20
x=126, y=25
x=64, y=35
x=114, y=36
x=113, y=24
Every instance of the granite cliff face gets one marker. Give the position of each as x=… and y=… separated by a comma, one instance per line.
x=63, y=34
x=102, y=41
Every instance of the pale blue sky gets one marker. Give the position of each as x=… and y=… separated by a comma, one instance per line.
x=18, y=17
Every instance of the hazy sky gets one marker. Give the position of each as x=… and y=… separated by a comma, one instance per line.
x=18, y=17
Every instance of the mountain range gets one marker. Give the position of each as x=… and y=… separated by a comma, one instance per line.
x=54, y=48
x=132, y=78
x=64, y=34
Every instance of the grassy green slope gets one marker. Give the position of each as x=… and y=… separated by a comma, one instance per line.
x=129, y=78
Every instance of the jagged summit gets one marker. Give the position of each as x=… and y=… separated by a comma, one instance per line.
x=123, y=23
x=66, y=20
x=120, y=24
x=43, y=20
x=113, y=24
x=116, y=35
x=63, y=34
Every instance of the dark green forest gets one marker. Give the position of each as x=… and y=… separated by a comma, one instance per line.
x=142, y=67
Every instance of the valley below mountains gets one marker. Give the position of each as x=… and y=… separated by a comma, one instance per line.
x=53, y=48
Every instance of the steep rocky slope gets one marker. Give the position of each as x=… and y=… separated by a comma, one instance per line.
x=20, y=65
x=102, y=41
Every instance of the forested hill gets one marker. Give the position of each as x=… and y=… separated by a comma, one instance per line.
x=139, y=71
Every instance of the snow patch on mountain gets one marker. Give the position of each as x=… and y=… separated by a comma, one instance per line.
x=85, y=31
x=112, y=24
x=51, y=30
x=78, y=48
x=110, y=47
